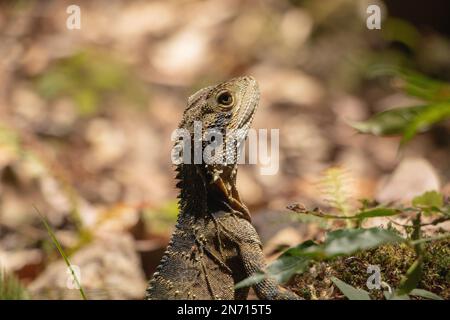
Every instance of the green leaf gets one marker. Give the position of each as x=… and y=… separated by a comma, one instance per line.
x=415, y=84
x=390, y=122
x=61, y=252
x=349, y=241
x=404, y=121
x=425, y=294
x=289, y=263
x=250, y=281
x=423, y=87
x=339, y=242
x=377, y=212
x=396, y=297
x=428, y=200
x=410, y=120
x=412, y=277
x=283, y=268
x=432, y=114
x=346, y=242
x=349, y=291
x=434, y=238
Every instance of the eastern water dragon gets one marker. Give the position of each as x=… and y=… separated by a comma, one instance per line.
x=214, y=245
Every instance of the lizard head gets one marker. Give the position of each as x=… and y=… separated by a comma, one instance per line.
x=223, y=113
x=217, y=119
x=226, y=106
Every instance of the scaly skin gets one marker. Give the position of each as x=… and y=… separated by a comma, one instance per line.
x=214, y=245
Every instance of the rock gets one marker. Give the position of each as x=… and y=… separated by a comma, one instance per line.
x=14, y=260
x=109, y=269
x=411, y=178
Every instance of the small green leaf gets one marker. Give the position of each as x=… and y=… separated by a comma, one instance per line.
x=345, y=242
x=421, y=86
x=428, y=200
x=404, y=121
x=348, y=241
x=349, y=291
x=61, y=252
x=377, y=212
x=283, y=268
x=415, y=84
x=430, y=115
x=399, y=297
x=412, y=277
x=390, y=122
x=250, y=281
x=425, y=294
x=289, y=263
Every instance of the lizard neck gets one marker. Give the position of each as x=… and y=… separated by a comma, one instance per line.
x=198, y=196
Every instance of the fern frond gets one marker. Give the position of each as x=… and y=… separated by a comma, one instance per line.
x=336, y=187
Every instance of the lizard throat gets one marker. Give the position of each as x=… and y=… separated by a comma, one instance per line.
x=202, y=192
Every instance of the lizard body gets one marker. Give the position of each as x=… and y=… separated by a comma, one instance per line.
x=214, y=244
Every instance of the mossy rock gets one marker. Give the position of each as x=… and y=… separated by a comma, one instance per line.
x=393, y=261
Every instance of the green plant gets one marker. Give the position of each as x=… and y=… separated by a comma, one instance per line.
x=353, y=293
x=11, y=288
x=62, y=253
x=88, y=77
x=409, y=121
x=401, y=121
x=346, y=242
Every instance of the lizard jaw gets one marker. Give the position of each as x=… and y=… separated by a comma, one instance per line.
x=234, y=201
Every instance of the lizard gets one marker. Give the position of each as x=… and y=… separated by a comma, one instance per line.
x=214, y=245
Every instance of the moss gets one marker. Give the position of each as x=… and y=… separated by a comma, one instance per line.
x=393, y=261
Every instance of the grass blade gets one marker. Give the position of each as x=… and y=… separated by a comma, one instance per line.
x=61, y=251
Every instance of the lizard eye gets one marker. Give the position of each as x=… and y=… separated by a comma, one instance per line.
x=225, y=98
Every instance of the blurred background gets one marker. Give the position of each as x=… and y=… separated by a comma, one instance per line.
x=86, y=117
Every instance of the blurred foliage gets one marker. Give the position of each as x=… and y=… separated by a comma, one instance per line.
x=401, y=31
x=9, y=140
x=408, y=121
x=334, y=187
x=88, y=77
x=430, y=201
x=11, y=288
x=159, y=220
